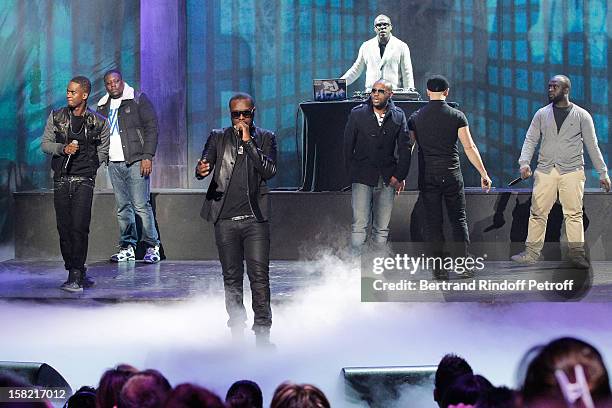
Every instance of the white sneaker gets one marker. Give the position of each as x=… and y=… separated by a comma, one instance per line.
x=124, y=255
x=152, y=255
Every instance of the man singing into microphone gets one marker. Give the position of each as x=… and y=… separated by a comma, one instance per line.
x=242, y=158
x=78, y=139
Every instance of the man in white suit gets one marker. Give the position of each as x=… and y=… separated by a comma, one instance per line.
x=384, y=57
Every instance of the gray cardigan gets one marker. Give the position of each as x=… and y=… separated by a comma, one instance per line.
x=563, y=149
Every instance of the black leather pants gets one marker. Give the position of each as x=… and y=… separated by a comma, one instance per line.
x=239, y=241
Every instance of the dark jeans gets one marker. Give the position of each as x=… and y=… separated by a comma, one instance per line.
x=72, y=197
x=447, y=187
x=238, y=241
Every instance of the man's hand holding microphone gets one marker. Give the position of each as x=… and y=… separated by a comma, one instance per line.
x=70, y=149
x=525, y=171
x=203, y=167
x=243, y=131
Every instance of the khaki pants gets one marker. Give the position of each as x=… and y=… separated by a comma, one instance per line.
x=570, y=188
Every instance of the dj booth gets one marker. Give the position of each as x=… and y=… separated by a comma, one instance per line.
x=322, y=136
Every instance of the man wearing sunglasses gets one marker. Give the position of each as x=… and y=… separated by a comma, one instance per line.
x=377, y=152
x=383, y=56
x=241, y=158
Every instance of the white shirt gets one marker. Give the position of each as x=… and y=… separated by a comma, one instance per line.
x=380, y=118
x=115, y=151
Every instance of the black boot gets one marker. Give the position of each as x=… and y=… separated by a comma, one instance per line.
x=440, y=274
x=262, y=339
x=73, y=284
x=86, y=281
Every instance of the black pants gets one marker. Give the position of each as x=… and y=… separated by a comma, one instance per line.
x=238, y=241
x=72, y=199
x=447, y=187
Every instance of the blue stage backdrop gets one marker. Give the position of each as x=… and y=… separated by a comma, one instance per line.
x=501, y=55
x=44, y=43
x=498, y=55
x=271, y=49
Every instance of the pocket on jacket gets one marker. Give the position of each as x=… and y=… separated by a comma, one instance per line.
x=135, y=147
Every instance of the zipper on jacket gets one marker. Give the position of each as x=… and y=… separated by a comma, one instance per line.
x=140, y=137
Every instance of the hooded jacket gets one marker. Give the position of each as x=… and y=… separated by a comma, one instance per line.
x=137, y=124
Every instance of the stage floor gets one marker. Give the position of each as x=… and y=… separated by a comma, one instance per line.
x=181, y=280
x=171, y=317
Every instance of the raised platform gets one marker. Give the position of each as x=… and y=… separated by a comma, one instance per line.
x=304, y=223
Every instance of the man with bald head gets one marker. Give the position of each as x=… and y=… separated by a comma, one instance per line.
x=377, y=152
x=383, y=56
x=562, y=129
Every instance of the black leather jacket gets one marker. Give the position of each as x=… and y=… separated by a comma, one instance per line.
x=55, y=137
x=220, y=151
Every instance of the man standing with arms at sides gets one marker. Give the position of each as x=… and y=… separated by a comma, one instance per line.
x=133, y=143
x=383, y=57
x=77, y=138
x=436, y=128
x=377, y=153
x=563, y=128
x=242, y=158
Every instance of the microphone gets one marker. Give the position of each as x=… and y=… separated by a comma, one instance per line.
x=238, y=132
x=76, y=143
x=515, y=181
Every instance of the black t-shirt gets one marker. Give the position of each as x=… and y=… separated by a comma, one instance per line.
x=237, y=201
x=436, y=125
x=561, y=115
x=381, y=47
x=80, y=163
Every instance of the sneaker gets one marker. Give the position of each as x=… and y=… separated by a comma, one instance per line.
x=466, y=274
x=124, y=254
x=86, y=281
x=440, y=274
x=152, y=255
x=580, y=261
x=525, y=258
x=73, y=283
x=262, y=341
x=73, y=287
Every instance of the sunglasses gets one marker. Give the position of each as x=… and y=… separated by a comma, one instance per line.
x=245, y=113
x=380, y=91
x=381, y=25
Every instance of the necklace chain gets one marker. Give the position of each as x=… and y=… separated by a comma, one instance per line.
x=80, y=130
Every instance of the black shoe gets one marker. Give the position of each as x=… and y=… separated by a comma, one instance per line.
x=72, y=287
x=237, y=334
x=262, y=340
x=73, y=284
x=440, y=274
x=86, y=281
x=580, y=261
x=467, y=274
